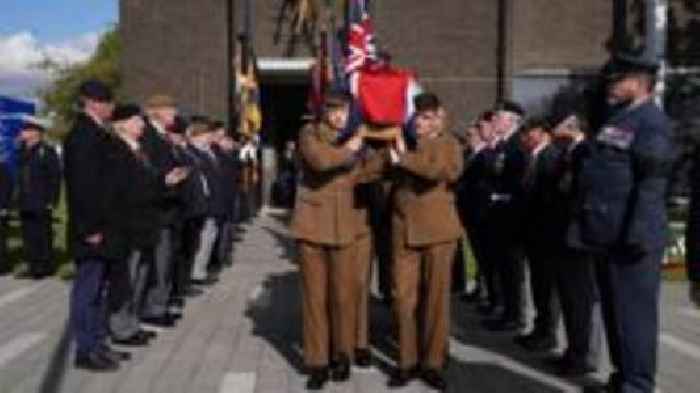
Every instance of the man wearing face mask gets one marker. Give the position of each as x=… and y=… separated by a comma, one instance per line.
x=620, y=216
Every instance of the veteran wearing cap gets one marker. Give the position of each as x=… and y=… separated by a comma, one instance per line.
x=425, y=228
x=39, y=190
x=89, y=226
x=161, y=111
x=327, y=224
x=620, y=214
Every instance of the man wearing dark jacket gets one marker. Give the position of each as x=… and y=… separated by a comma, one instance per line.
x=538, y=198
x=6, y=186
x=620, y=214
x=91, y=233
x=161, y=115
x=509, y=167
x=39, y=191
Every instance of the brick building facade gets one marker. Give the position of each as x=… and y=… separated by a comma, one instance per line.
x=469, y=52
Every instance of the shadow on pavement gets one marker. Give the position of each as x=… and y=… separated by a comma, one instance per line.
x=58, y=364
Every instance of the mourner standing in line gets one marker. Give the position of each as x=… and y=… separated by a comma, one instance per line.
x=39, y=191
x=327, y=225
x=91, y=234
x=621, y=216
x=425, y=228
x=539, y=186
x=161, y=110
x=6, y=187
x=507, y=214
x=574, y=269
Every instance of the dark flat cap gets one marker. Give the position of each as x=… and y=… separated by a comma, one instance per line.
x=509, y=106
x=95, y=90
x=624, y=64
x=126, y=112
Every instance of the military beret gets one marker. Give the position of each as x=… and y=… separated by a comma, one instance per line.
x=624, y=64
x=335, y=99
x=125, y=112
x=426, y=102
x=509, y=106
x=160, y=101
x=95, y=90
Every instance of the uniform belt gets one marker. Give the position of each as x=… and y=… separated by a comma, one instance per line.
x=496, y=197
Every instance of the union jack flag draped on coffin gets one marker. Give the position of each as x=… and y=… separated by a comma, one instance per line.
x=349, y=61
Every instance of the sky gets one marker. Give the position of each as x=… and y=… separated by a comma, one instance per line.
x=66, y=31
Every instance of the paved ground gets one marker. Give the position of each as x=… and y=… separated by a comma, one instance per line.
x=243, y=336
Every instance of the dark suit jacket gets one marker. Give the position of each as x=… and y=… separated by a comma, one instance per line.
x=39, y=178
x=621, y=202
x=6, y=186
x=135, y=190
x=540, y=199
x=161, y=156
x=86, y=168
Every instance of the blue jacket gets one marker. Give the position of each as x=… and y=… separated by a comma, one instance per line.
x=622, y=185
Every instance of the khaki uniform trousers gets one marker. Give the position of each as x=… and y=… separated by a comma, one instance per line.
x=364, y=270
x=421, y=285
x=329, y=301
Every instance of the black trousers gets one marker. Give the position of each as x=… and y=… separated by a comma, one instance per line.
x=578, y=296
x=486, y=265
x=37, y=240
x=4, y=260
x=629, y=289
x=459, y=270
x=543, y=277
x=380, y=221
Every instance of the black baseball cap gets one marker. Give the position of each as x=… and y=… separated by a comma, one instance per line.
x=32, y=124
x=96, y=90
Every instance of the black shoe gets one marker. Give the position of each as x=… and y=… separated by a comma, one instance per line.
x=540, y=343
x=608, y=388
x=501, y=325
x=95, y=362
x=434, y=379
x=363, y=358
x=178, y=302
x=400, y=378
x=340, y=372
x=486, y=309
x=147, y=334
x=193, y=292
x=570, y=369
x=166, y=321
x=317, y=379
x=137, y=340
x=471, y=297
x=116, y=356
x=523, y=339
x=205, y=282
x=26, y=275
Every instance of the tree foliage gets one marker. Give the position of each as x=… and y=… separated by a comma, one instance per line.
x=60, y=97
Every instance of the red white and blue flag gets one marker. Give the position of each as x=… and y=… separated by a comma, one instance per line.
x=362, y=50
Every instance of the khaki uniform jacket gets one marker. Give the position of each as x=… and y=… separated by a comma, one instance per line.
x=328, y=210
x=424, y=199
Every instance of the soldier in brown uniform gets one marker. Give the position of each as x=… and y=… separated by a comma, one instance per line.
x=327, y=223
x=426, y=228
